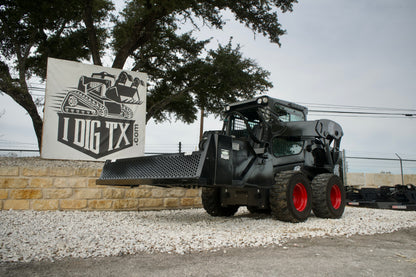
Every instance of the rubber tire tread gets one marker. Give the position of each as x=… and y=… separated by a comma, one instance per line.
x=279, y=198
x=321, y=197
x=211, y=201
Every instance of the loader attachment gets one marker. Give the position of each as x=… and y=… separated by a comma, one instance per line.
x=196, y=169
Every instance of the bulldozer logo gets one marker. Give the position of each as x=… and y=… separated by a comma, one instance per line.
x=95, y=117
x=102, y=95
x=93, y=113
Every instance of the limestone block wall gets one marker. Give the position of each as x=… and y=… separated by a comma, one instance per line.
x=63, y=185
x=72, y=188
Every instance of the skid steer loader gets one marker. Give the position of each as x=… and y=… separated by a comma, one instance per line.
x=266, y=157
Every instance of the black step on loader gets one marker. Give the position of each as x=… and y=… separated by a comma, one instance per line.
x=267, y=157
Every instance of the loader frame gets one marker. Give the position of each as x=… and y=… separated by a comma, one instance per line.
x=266, y=146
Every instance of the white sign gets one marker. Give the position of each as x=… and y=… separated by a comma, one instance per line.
x=92, y=112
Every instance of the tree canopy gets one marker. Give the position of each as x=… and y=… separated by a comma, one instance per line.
x=183, y=74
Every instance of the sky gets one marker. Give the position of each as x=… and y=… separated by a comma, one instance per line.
x=335, y=52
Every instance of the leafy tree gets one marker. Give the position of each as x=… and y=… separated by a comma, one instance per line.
x=30, y=31
x=183, y=74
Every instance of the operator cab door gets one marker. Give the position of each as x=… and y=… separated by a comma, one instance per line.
x=246, y=132
x=287, y=151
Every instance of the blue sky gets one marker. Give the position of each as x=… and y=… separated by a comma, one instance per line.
x=337, y=52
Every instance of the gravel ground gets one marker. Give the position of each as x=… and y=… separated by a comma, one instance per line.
x=27, y=236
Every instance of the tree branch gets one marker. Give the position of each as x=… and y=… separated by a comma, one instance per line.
x=160, y=105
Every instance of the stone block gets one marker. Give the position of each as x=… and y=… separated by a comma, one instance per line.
x=113, y=193
x=193, y=193
x=9, y=171
x=138, y=193
x=126, y=204
x=71, y=204
x=3, y=194
x=171, y=202
x=41, y=182
x=198, y=202
x=104, y=204
x=45, y=204
x=175, y=192
x=87, y=193
x=61, y=171
x=57, y=193
x=147, y=187
x=35, y=171
x=98, y=172
x=85, y=172
x=158, y=192
x=14, y=183
x=187, y=202
x=150, y=202
x=70, y=182
x=16, y=204
x=92, y=183
x=25, y=194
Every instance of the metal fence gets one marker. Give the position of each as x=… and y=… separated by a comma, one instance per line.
x=383, y=163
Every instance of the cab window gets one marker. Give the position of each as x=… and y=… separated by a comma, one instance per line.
x=286, y=146
x=287, y=114
x=238, y=128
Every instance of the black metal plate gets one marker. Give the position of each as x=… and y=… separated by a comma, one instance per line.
x=157, y=168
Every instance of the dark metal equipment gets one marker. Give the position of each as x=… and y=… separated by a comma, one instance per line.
x=266, y=157
x=398, y=197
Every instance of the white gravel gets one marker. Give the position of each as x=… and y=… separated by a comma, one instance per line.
x=32, y=236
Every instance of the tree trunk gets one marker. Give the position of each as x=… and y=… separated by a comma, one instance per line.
x=92, y=34
x=20, y=94
x=24, y=99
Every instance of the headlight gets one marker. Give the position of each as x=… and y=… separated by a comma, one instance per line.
x=265, y=99
x=227, y=108
x=259, y=101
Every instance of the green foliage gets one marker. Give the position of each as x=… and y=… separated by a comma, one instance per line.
x=183, y=74
x=33, y=30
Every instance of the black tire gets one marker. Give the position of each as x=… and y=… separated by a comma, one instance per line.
x=211, y=201
x=291, y=197
x=256, y=210
x=328, y=199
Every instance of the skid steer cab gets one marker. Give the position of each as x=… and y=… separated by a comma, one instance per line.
x=267, y=157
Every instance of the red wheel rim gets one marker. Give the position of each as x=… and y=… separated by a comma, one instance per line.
x=300, y=197
x=335, y=196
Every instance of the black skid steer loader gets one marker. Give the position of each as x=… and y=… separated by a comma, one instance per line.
x=267, y=157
